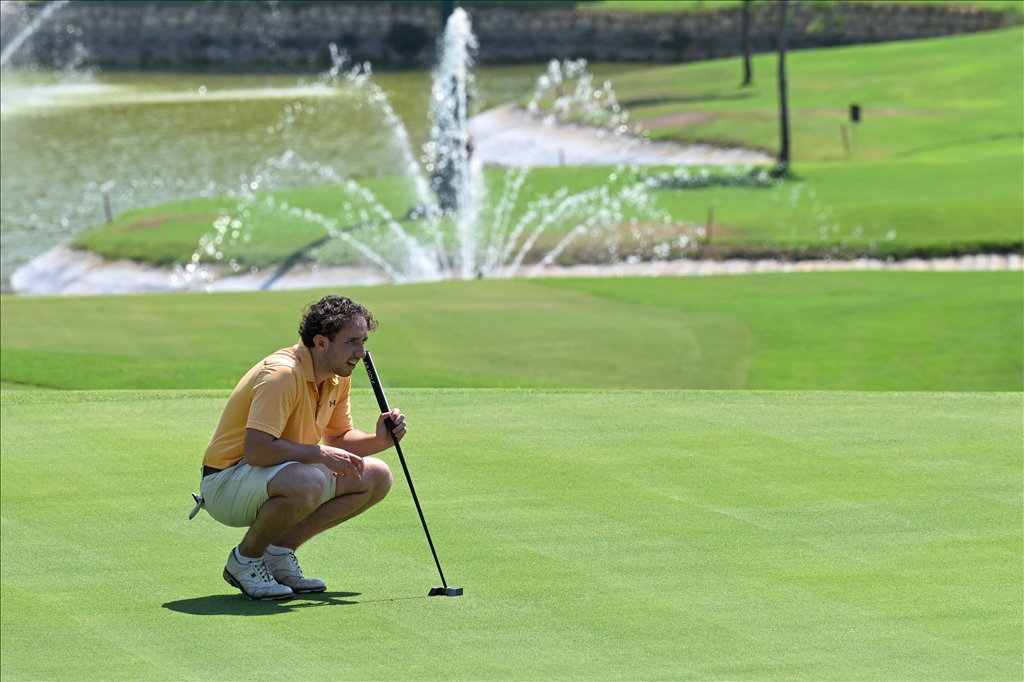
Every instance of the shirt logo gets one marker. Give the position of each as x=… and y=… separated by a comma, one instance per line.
x=333, y=402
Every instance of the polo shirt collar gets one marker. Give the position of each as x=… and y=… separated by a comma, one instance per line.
x=306, y=361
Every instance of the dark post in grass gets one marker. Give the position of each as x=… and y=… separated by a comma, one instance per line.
x=748, y=73
x=782, y=169
x=855, y=115
x=106, y=207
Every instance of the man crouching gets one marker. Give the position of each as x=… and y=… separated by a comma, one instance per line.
x=264, y=467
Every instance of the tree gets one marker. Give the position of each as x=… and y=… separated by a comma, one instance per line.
x=783, y=166
x=748, y=73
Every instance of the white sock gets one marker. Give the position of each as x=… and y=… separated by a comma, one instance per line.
x=278, y=551
x=242, y=559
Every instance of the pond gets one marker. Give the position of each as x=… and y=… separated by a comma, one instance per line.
x=149, y=138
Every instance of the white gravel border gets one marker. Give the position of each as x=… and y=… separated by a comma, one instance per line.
x=62, y=271
x=687, y=267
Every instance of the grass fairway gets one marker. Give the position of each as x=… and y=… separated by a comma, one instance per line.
x=937, y=158
x=953, y=93
x=843, y=331
x=598, y=535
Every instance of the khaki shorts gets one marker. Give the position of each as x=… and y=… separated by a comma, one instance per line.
x=234, y=496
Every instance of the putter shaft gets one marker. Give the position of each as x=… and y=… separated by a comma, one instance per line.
x=382, y=403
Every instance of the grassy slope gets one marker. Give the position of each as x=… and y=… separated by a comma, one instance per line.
x=651, y=535
x=852, y=331
x=939, y=158
x=914, y=94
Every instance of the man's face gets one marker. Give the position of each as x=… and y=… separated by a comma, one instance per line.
x=347, y=349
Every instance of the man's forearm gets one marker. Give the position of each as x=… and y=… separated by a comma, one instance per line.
x=263, y=450
x=359, y=443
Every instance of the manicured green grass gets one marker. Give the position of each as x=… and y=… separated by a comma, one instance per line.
x=911, y=202
x=166, y=234
x=15, y=386
x=598, y=535
x=955, y=91
x=862, y=331
x=843, y=331
x=270, y=226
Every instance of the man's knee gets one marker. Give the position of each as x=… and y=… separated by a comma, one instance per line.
x=378, y=476
x=302, y=483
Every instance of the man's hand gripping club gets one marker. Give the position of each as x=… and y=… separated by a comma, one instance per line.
x=396, y=427
x=342, y=462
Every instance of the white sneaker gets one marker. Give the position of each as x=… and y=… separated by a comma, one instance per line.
x=254, y=580
x=286, y=570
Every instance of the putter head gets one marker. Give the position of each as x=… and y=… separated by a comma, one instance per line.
x=445, y=592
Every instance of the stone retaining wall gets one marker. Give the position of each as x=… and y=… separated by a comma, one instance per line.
x=294, y=35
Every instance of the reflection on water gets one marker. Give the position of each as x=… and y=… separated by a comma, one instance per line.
x=148, y=138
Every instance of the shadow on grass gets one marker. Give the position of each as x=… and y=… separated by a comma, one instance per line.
x=680, y=99
x=293, y=259
x=958, y=143
x=237, y=605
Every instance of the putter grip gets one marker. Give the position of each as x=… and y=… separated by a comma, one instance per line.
x=378, y=390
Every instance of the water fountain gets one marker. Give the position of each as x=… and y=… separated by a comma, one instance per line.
x=27, y=31
x=453, y=237
x=454, y=230
x=455, y=176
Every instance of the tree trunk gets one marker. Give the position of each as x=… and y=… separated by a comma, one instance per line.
x=781, y=169
x=748, y=73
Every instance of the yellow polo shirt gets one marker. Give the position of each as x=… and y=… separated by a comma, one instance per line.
x=279, y=396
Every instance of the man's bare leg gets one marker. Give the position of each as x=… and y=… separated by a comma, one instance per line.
x=295, y=493
x=352, y=497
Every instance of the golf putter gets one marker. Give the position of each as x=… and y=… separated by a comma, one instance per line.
x=382, y=402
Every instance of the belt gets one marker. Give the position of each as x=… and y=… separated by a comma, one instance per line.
x=210, y=471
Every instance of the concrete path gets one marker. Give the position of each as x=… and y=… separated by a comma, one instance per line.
x=510, y=136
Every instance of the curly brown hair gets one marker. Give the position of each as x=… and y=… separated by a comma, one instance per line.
x=329, y=315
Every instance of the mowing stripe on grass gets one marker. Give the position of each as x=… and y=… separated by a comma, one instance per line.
x=842, y=330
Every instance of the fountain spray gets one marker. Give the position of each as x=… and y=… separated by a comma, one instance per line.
x=450, y=149
x=24, y=34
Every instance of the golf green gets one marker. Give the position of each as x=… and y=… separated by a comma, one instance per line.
x=597, y=534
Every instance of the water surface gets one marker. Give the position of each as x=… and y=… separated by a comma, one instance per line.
x=149, y=138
